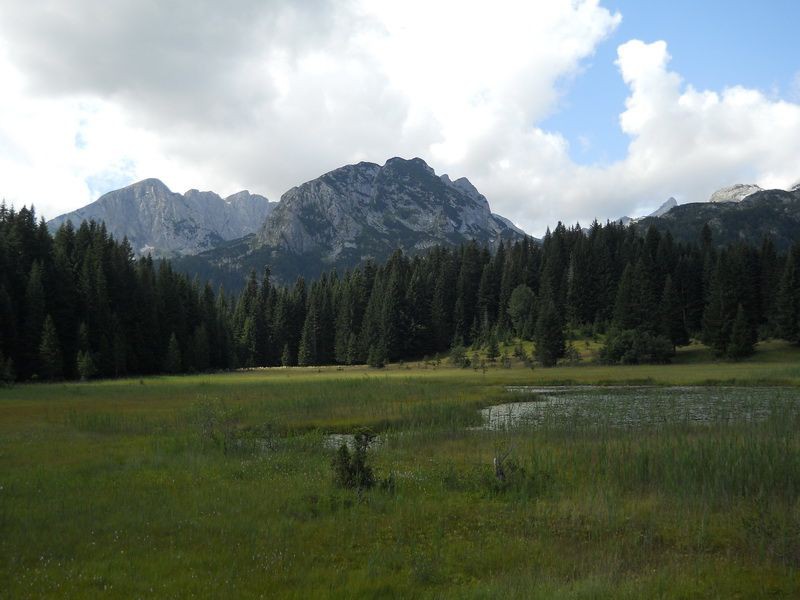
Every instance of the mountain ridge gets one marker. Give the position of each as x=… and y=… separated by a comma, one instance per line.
x=158, y=221
x=357, y=212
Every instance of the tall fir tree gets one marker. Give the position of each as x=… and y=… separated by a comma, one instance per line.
x=173, y=363
x=742, y=342
x=51, y=361
x=549, y=341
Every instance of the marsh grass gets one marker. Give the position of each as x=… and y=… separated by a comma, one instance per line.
x=221, y=486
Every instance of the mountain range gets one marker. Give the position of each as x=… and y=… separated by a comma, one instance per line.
x=367, y=210
x=163, y=223
x=357, y=212
x=773, y=213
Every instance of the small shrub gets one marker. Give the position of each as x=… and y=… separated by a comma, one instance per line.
x=377, y=356
x=458, y=356
x=572, y=355
x=86, y=367
x=350, y=470
x=632, y=346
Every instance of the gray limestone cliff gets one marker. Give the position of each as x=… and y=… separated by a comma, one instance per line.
x=164, y=223
x=369, y=210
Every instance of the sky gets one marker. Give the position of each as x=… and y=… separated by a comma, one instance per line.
x=557, y=110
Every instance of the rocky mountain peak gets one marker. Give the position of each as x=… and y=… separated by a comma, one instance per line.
x=369, y=210
x=668, y=205
x=164, y=223
x=734, y=193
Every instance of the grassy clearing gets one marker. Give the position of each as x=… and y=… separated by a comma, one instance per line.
x=219, y=486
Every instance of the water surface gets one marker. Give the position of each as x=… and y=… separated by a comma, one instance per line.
x=644, y=406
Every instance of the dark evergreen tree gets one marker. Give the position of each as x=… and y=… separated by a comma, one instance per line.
x=86, y=366
x=287, y=360
x=201, y=352
x=493, y=347
x=521, y=310
x=549, y=334
x=173, y=362
x=308, y=353
x=34, y=311
x=672, y=325
x=742, y=342
x=51, y=361
x=787, y=302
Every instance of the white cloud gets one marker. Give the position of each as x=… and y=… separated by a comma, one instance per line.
x=267, y=95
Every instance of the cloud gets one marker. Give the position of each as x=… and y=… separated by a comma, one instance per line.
x=266, y=95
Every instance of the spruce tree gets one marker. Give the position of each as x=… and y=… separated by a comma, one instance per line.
x=493, y=348
x=377, y=356
x=248, y=344
x=287, y=360
x=521, y=310
x=51, y=361
x=626, y=308
x=8, y=323
x=549, y=335
x=787, y=302
x=86, y=366
x=173, y=360
x=7, y=373
x=34, y=308
x=353, y=350
x=119, y=348
x=308, y=353
x=717, y=320
x=200, y=349
x=742, y=343
x=671, y=324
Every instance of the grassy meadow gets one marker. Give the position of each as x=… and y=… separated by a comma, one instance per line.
x=220, y=485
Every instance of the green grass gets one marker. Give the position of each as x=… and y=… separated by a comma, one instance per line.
x=117, y=487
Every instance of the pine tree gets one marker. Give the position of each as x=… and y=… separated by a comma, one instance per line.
x=671, y=324
x=173, y=359
x=549, y=335
x=742, y=343
x=34, y=308
x=394, y=315
x=787, y=302
x=119, y=348
x=308, y=354
x=493, y=348
x=200, y=348
x=521, y=310
x=377, y=356
x=86, y=366
x=50, y=359
x=248, y=344
x=287, y=360
x=626, y=308
x=8, y=324
x=353, y=350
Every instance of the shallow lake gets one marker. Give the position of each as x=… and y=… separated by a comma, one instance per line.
x=593, y=406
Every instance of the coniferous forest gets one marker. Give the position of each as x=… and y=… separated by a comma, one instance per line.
x=77, y=304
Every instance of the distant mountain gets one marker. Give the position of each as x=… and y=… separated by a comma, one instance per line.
x=661, y=210
x=668, y=205
x=164, y=223
x=357, y=212
x=767, y=212
x=734, y=193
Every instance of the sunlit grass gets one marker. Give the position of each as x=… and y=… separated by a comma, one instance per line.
x=113, y=487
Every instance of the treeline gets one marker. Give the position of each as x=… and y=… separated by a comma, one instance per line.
x=646, y=293
x=77, y=303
